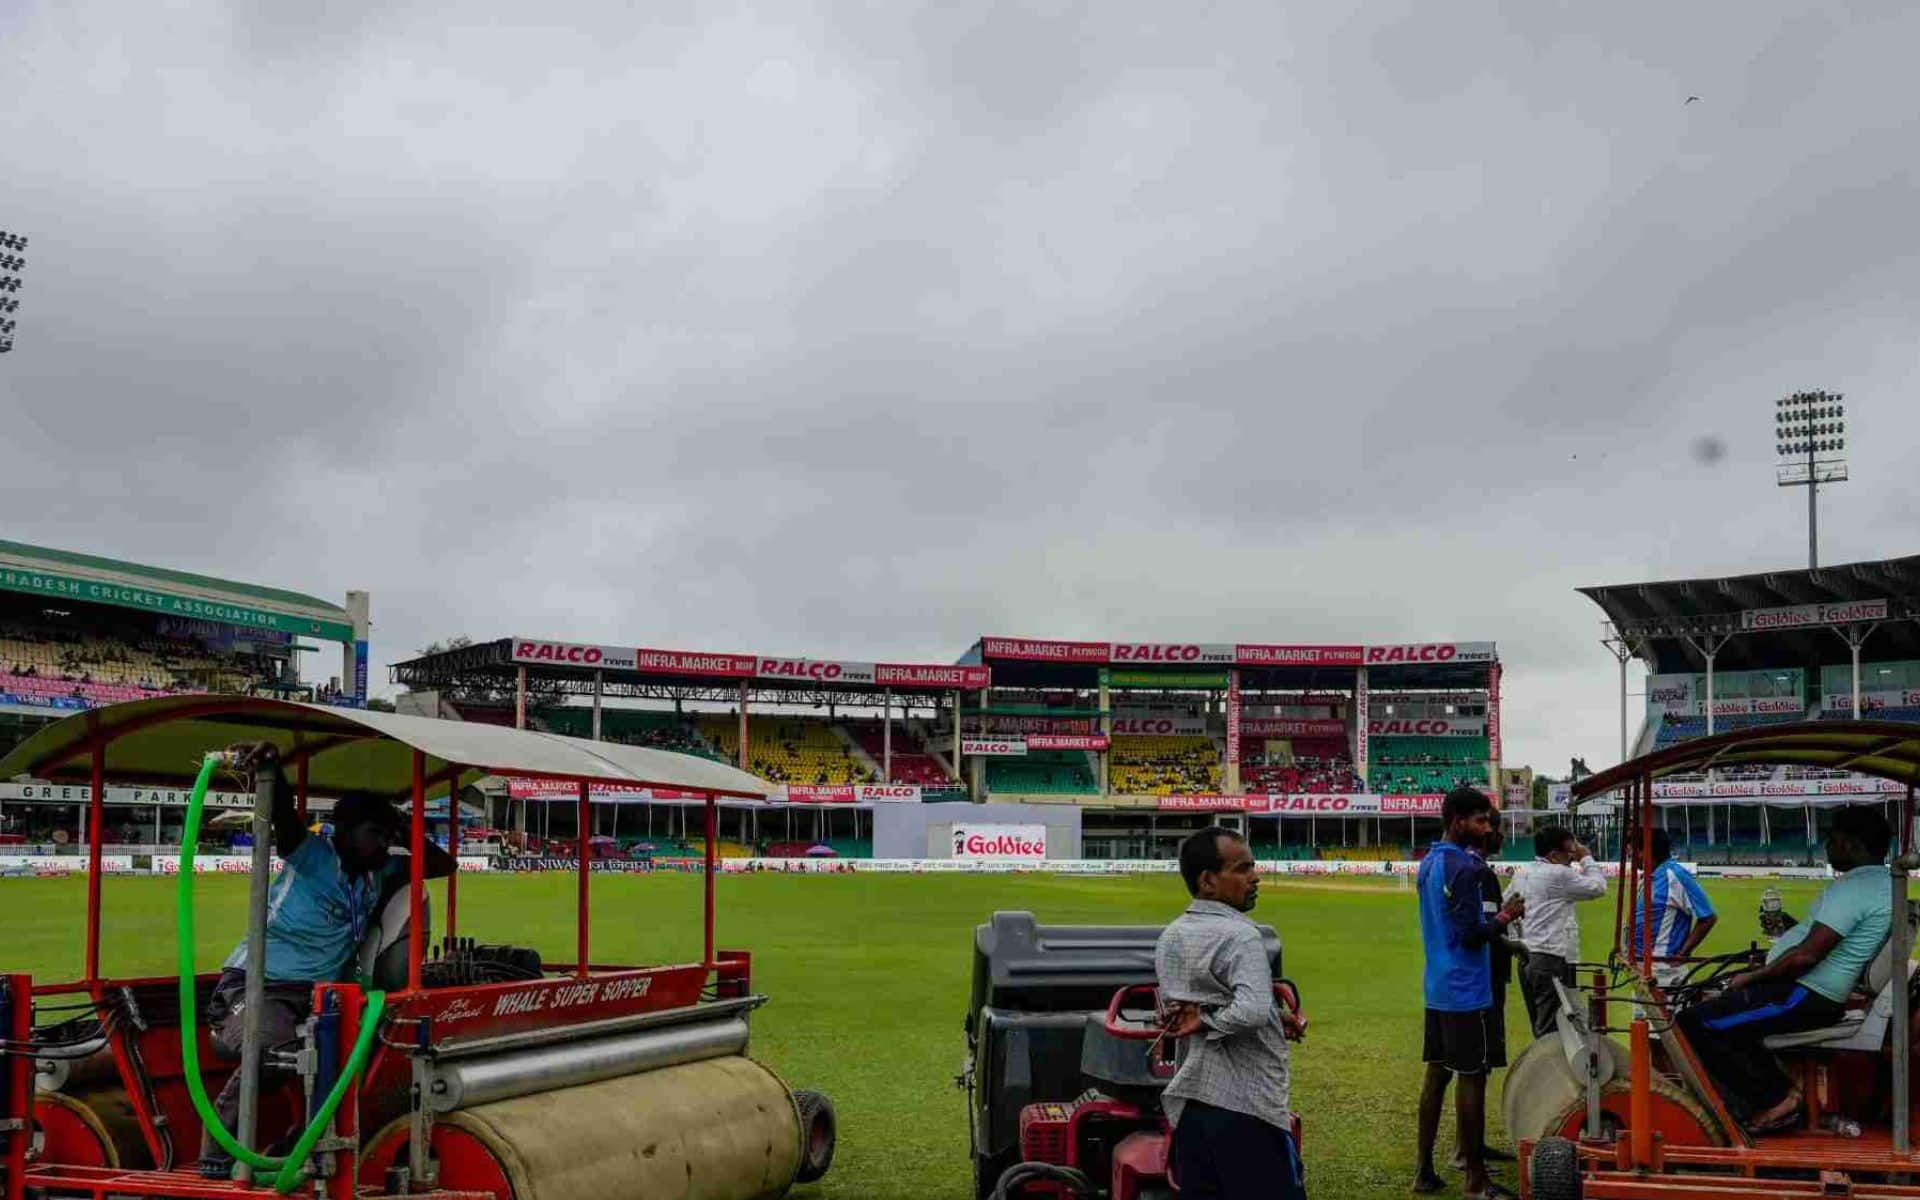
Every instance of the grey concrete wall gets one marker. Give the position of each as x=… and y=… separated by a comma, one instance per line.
x=900, y=830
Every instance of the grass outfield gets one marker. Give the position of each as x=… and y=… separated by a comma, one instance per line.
x=868, y=979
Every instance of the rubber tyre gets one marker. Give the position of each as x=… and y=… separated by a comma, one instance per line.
x=1554, y=1170
x=819, y=1134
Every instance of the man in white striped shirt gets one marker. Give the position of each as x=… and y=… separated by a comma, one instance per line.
x=1561, y=875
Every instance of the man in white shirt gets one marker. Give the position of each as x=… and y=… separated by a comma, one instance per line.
x=1561, y=875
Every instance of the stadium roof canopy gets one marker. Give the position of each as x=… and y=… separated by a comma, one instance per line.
x=1038, y=663
x=572, y=668
x=1772, y=619
x=1881, y=749
x=64, y=575
x=160, y=741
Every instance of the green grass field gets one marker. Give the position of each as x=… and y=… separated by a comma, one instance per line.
x=868, y=979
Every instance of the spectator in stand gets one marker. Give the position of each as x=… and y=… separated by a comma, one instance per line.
x=1686, y=915
x=1561, y=875
x=1458, y=987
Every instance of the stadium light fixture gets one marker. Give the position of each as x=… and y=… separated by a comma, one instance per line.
x=12, y=262
x=1810, y=440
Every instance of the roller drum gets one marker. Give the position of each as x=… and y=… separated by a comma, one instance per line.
x=1541, y=1085
x=91, y=1127
x=469, y=1084
x=719, y=1129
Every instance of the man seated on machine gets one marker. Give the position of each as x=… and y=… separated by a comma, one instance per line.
x=317, y=913
x=1805, y=983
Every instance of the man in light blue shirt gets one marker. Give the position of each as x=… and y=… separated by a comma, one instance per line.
x=1806, y=980
x=317, y=911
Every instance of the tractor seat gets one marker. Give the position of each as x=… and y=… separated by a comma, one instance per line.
x=1864, y=1024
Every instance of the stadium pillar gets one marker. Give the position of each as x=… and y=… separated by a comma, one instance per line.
x=886, y=736
x=956, y=735
x=520, y=699
x=1495, y=751
x=742, y=764
x=1855, y=637
x=1360, y=716
x=599, y=688
x=977, y=769
x=1106, y=730
x=1232, y=772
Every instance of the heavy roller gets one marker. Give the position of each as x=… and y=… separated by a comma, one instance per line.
x=474, y=1070
x=1615, y=1103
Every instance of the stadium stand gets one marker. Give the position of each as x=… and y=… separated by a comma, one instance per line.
x=1422, y=765
x=1165, y=764
x=1052, y=773
x=911, y=763
x=1889, y=713
x=1677, y=729
x=115, y=660
x=786, y=749
x=1306, y=764
x=632, y=727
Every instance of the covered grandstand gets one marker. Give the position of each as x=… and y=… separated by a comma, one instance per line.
x=1143, y=736
x=78, y=631
x=1739, y=652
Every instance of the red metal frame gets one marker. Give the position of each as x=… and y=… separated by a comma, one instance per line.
x=576, y=993
x=1641, y=1164
x=585, y=839
x=16, y=1085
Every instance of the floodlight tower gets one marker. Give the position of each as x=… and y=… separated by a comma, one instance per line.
x=12, y=262
x=1810, y=435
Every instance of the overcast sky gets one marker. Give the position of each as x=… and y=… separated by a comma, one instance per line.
x=859, y=330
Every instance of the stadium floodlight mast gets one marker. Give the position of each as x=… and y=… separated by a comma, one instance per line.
x=12, y=262
x=1810, y=437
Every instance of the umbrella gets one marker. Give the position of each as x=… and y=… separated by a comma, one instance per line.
x=822, y=852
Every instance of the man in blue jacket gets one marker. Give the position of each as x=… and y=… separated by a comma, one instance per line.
x=1456, y=931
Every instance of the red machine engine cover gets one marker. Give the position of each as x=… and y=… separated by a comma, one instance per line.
x=1139, y=1162
x=1043, y=1132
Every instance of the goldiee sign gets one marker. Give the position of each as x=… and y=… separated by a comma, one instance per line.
x=1800, y=616
x=1000, y=842
x=68, y=587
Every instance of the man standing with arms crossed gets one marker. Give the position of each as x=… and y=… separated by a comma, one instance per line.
x=1459, y=989
x=1229, y=1102
x=1561, y=875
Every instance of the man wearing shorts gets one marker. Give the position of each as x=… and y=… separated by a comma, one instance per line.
x=1456, y=932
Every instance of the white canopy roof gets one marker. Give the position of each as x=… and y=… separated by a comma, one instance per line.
x=162, y=741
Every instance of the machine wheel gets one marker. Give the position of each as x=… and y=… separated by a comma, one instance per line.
x=819, y=1133
x=1554, y=1170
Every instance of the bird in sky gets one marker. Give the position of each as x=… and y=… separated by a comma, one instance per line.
x=1690, y=100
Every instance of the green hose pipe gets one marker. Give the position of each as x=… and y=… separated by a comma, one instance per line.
x=288, y=1168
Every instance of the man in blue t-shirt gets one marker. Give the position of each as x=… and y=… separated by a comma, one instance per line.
x=1456, y=932
x=1806, y=980
x=317, y=911
x=1683, y=916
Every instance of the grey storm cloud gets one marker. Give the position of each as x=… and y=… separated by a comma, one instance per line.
x=860, y=330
